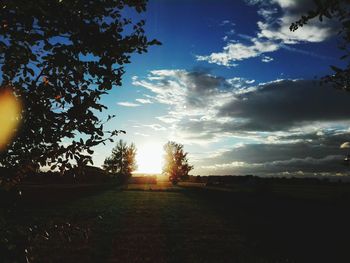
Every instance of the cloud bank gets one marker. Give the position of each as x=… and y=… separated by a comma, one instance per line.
x=283, y=125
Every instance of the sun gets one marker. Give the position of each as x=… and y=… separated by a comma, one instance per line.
x=149, y=158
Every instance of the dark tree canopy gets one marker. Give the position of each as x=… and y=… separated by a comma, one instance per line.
x=122, y=162
x=59, y=57
x=176, y=164
x=340, y=11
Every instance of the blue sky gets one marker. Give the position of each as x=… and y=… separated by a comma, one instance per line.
x=234, y=85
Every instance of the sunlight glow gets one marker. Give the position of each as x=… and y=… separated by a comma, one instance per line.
x=10, y=110
x=149, y=158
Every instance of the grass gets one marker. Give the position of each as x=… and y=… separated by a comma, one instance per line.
x=180, y=225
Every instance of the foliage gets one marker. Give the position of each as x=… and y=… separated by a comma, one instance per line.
x=37, y=241
x=59, y=57
x=176, y=162
x=340, y=11
x=122, y=161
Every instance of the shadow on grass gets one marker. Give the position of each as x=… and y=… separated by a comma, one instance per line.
x=185, y=225
x=285, y=228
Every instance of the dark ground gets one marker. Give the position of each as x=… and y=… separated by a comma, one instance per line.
x=189, y=223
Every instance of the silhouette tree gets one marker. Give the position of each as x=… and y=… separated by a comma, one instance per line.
x=59, y=58
x=122, y=161
x=176, y=164
x=340, y=11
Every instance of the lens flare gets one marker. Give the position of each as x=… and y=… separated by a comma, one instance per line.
x=10, y=111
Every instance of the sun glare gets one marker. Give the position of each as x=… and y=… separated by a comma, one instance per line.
x=149, y=158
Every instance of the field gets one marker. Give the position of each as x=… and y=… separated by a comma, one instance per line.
x=186, y=223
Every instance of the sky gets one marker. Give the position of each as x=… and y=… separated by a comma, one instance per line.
x=236, y=87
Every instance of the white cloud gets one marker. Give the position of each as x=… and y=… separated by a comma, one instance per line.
x=144, y=101
x=275, y=25
x=278, y=15
x=203, y=108
x=167, y=119
x=313, y=32
x=268, y=13
x=266, y=59
x=141, y=134
x=286, y=3
x=238, y=51
x=194, y=99
x=240, y=82
x=156, y=127
x=273, y=33
x=227, y=22
x=127, y=104
x=224, y=165
x=184, y=90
